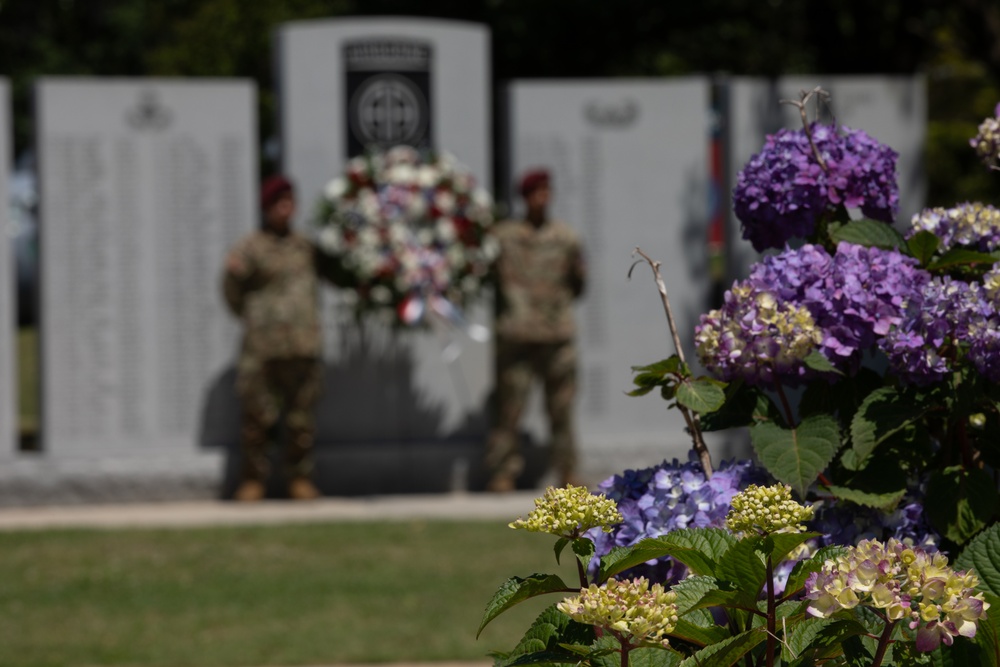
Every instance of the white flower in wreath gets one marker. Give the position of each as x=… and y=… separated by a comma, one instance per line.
x=402, y=154
x=455, y=255
x=462, y=182
x=481, y=197
x=427, y=176
x=445, y=202
x=425, y=237
x=416, y=208
x=368, y=238
x=409, y=260
x=369, y=205
x=399, y=235
x=402, y=174
x=331, y=240
x=489, y=250
x=357, y=167
x=335, y=189
x=445, y=230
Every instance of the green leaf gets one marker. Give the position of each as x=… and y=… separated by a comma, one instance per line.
x=988, y=633
x=699, y=592
x=923, y=245
x=779, y=545
x=516, y=590
x=743, y=566
x=559, y=546
x=711, y=543
x=697, y=634
x=661, y=368
x=641, y=391
x=584, y=550
x=882, y=501
x=698, y=548
x=818, y=362
x=983, y=555
x=737, y=410
x=727, y=652
x=701, y=395
x=961, y=257
x=870, y=233
x=960, y=502
x=797, y=456
x=546, y=640
x=883, y=413
x=817, y=633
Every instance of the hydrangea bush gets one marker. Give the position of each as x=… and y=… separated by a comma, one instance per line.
x=877, y=603
x=864, y=362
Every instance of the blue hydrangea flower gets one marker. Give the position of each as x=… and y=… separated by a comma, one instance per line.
x=784, y=190
x=666, y=497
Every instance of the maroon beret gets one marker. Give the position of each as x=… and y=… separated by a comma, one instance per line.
x=274, y=188
x=532, y=180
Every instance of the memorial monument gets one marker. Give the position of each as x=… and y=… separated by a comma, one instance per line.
x=8, y=359
x=629, y=165
x=144, y=185
x=402, y=410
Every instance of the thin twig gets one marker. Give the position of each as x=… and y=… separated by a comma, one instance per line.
x=804, y=97
x=692, y=419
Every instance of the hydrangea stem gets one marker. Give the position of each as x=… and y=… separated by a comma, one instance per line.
x=883, y=643
x=772, y=638
x=803, y=100
x=692, y=419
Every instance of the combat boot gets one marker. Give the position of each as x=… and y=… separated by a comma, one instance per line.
x=250, y=490
x=300, y=488
x=501, y=483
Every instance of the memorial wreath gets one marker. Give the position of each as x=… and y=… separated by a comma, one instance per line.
x=407, y=231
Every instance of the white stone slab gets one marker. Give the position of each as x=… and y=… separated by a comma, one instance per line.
x=8, y=328
x=893, y=110
x=144, y=186
x=394, y=80
x=629, y=165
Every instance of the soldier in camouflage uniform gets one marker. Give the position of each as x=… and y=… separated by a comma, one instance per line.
x=540, y=272
x=270, y=283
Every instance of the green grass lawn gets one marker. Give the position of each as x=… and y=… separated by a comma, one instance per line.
x=253, y=596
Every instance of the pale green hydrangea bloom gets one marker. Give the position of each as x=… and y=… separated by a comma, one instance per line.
x=902, y=583
x=570, y=512
x=646, y=613
x=767, y=509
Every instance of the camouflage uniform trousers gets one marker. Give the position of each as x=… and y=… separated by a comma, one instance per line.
x=518, y=364
x=266, y=389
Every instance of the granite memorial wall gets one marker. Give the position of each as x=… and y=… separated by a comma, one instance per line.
x=144, y=186
x=629, y=165
x=8, y=330
x=391, y=398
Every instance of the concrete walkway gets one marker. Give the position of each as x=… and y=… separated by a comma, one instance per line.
x=455, y=506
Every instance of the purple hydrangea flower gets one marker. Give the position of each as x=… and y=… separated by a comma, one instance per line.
x=987, y=140
x=854, y=296
x=806, y=300
x=970, y=225
x=950, y=322
x=783, y=191
x=756, y=338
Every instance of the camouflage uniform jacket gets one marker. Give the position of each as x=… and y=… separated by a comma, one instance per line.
x=539, y=274
x=275, y=294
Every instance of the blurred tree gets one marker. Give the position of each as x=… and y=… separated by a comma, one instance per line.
x=956, y=44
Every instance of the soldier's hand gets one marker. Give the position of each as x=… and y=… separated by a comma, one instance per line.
x=235, y=264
